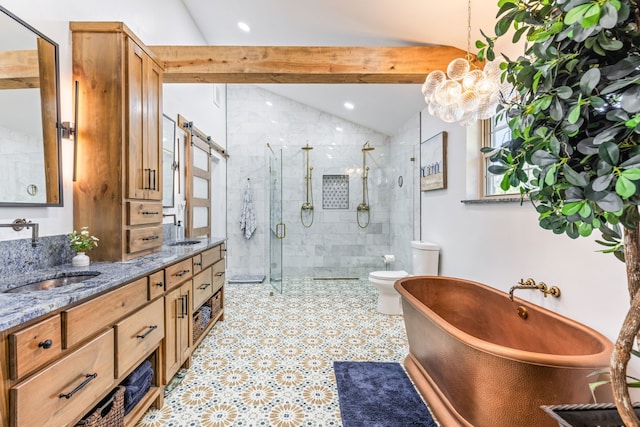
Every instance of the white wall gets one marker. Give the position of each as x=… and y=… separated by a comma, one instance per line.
x=497, y=244
x=164, y=22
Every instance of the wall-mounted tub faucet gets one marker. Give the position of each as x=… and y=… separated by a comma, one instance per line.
x=21, y=223
x=531, y=284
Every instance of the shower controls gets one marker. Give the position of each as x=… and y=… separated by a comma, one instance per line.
x=364, y=208
x=306, y=210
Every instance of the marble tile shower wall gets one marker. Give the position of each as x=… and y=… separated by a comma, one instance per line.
x=405, y=199
x=334, y=246
x=18, y=256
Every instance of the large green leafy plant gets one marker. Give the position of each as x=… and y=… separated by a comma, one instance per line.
x=575, y=116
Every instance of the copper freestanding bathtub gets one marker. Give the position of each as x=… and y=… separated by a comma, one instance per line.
x=477, y=362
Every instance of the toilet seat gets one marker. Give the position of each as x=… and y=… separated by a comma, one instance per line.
x=388, y=275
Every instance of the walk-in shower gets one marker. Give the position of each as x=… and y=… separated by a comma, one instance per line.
x=335, y=245
x=363, y=211
x=306, y=210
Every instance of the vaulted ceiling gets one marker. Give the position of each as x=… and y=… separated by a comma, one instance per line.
x=382, y=107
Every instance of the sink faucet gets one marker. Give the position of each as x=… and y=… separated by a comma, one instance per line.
x=19, y=224
x=175, y=218
x=531, y=284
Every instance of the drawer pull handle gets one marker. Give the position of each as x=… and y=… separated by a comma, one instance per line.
x=204, y=286
x=182, y=273
x=159, y=284
x=184, y=304
x=151, y=329
x=199, y=264
x=149, y=213
x=151, y=238
x=89, y=378
x=45, y=344
x=220, y=274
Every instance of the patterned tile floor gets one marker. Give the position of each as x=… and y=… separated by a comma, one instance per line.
x=270, y=362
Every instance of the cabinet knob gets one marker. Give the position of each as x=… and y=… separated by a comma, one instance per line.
x=45, y=344
x=159, y=284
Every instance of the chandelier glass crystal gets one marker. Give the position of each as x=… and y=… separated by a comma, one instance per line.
x=465, y=93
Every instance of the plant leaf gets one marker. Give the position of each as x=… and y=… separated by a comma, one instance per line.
x=625, y=187
x=590, y=80
x=610, y=203
x=609, y=152
x=631, y=99
x=543, y=158
x=571, y=208
x=574, y=177
x=632, y=174
x=602, y=183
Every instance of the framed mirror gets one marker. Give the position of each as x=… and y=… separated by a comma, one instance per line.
x=169, y=161
x=30, y=161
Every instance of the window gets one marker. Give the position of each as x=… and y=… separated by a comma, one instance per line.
x=495, y=133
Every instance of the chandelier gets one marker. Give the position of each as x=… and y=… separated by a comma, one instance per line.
x=465, y=93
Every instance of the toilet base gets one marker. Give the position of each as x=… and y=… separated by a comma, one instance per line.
x=390, y=304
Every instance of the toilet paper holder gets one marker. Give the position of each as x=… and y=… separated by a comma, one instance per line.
x=388, y=259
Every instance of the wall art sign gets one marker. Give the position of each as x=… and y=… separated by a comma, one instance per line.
x=433, y=163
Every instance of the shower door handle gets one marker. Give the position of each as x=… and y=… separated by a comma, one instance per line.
x=284, y=230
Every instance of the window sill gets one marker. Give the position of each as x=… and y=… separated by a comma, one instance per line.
x=493, y=200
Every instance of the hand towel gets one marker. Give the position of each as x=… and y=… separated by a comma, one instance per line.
x=133, y=377
x=248, y=216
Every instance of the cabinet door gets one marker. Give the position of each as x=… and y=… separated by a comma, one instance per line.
x=144, y=92
x=138, y=178
x=152, y=116
x=177, y=329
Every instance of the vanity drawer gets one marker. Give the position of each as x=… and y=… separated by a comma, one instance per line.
x=178, y=273
x=144, y=213
x=156, y=284
x=34, y=346
x=217, y=275
x=197, y=263
x=85, y=319
x=211, y=255
x=138, y=334
x=202, y=288
x=139, y=239
x=62, y=393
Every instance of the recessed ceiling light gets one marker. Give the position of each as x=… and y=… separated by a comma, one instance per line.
x=349, y=106
x=269, y=103
x=338, y=128
x=244, y=26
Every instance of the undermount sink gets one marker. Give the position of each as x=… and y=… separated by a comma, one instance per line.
x=185, y=243
x=56, y=282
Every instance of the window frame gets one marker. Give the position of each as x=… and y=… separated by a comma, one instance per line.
x=489, y=130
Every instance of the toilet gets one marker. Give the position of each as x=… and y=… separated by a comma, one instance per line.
x=424, y=258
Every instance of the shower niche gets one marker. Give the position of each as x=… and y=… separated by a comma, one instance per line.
x=335, y=191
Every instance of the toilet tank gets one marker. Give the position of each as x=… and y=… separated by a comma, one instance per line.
x=425, y=257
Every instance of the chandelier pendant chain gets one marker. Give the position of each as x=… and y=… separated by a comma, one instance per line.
x=469, y=33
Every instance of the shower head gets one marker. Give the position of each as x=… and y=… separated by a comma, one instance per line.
x=307, y=147
x=367, y=147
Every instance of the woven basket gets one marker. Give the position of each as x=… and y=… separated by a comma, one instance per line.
x=108, y=413
x=215, y=303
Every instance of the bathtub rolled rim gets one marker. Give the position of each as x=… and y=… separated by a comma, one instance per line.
x=586, y=361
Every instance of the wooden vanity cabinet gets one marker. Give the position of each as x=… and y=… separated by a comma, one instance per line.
x=118, y=177
x=177, y=342
x=149, y=318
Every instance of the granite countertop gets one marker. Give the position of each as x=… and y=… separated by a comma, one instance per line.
x=17, y=308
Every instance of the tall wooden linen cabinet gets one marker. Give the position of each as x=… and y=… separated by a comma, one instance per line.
x=118, y=167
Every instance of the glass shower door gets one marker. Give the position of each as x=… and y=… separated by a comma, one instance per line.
x=277, y=228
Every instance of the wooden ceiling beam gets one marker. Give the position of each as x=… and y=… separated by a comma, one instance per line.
x=19, y=69
x=302, y=64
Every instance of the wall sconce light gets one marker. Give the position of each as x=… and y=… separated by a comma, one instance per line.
x=67, y=129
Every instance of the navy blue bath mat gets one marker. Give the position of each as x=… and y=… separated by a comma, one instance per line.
x=376, y=394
